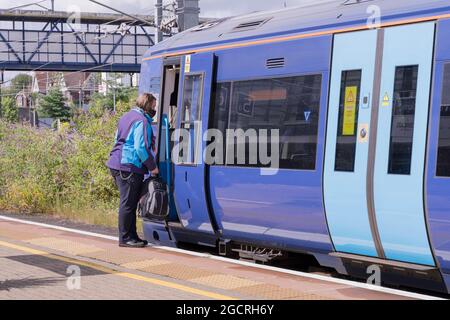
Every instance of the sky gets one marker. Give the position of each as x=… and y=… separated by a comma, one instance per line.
x=208, y=8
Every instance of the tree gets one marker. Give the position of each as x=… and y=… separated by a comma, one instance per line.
x=20, y=82
x=100, y=103
x=54, y=105
x=9, y=109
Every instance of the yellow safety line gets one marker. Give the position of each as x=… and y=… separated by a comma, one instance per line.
x=294, y=37
x=97, y=267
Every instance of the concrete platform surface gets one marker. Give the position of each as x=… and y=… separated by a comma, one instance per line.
x=39, y=262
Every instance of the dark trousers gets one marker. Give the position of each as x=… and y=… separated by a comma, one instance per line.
x=130, y=188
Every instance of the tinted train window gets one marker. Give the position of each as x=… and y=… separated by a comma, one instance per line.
x=191, y=113
x=221, y=111
x=348, y=121
x=443, y=161
x=291, y=105
x=403, y=113
x=220, y=114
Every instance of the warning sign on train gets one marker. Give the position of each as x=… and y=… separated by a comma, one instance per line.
x=386, y=100
x=351, y=94
x=187, y=64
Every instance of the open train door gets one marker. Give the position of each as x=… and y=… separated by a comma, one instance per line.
x=197, y=73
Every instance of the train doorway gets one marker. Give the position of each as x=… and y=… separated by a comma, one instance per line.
x=169, y=116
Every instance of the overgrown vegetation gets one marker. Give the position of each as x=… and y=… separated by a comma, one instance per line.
x=62, y=172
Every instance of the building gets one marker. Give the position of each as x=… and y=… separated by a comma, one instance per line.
x=77, y=87
x=26, y=110
x=111, y=80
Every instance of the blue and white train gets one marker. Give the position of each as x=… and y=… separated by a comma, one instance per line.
x=360, y=94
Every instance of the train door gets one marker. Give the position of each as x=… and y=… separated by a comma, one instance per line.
x=190, y=171
x=168, y=125
x=347, y=149
x=401, y=143
x=374, y=170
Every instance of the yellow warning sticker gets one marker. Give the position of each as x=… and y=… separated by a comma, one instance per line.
x=351, y=94
x=386, y=100
x=187, y=64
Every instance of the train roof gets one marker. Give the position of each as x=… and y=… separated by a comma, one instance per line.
x=327, y=15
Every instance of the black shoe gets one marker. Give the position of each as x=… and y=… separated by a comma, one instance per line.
x=144, y=241
x=132, y=244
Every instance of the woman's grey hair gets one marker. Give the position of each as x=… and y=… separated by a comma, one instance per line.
x=145, y=100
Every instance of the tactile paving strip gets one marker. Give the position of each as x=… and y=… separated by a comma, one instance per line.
x=226, y=282
x=117, y=256
x=67, y=246
x=272, y=292
x=142, y=265
x=178, y=271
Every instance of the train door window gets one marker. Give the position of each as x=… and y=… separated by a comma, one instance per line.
x=348, y=121
x=290, y=105
x=221, y=111
x=403, y=114
x=191, y=116
x=443, y=160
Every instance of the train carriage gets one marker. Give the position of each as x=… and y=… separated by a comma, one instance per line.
x=359, y=93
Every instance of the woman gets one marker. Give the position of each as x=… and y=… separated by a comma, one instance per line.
x=131, y=158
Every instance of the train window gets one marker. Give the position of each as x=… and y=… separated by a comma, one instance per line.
x=191, y=115
x=348, y=121
x=443, y=161
x=403, y=114
x=291, y=105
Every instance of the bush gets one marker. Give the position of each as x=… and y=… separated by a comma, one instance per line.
x=63, y=173
x=9, y=109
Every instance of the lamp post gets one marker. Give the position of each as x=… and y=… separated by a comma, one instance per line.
x=158, y=20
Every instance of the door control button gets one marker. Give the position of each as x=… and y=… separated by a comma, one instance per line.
x=363, y=133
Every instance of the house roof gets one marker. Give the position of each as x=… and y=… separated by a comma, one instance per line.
x=41, y=78
x=71, y=80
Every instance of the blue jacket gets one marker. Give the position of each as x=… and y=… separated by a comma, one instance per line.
x=133, y=149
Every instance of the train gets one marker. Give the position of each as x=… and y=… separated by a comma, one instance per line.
x=357, y=97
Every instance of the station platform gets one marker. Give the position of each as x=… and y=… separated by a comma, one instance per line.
x=40, y=261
